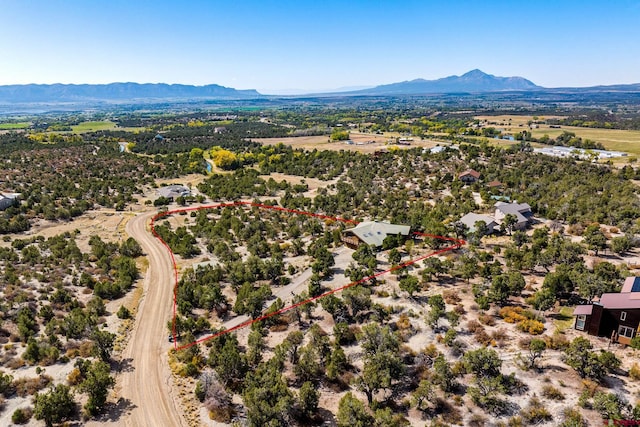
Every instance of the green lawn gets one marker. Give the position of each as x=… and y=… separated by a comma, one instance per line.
x=93, y=126
x=564, y=319
x=14, y=126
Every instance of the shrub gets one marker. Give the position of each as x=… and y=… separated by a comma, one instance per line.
x=550, y=392
x=512, y=314
x=29, y=386
x=531, y=326
x=6, y=383
x=634, y=372
x=499, y=336
x=609, y=405
x=450, y=336
x=526, y=320
x=524, y=343
x=536, y=413
x=572, y=418
x=403, y=322
x=515, y=421
x=451, y=296
x=22, y=415
x=75, y=377
x=473, y=326
x=431, y=351
x=590, y=387
x=477, y=420
x=482, y=337
x=557, y=341
x=487, y=319
x=123, y=313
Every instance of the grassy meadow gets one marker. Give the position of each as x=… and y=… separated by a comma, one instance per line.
x=93, y=126
x=14, y=126
x=612, y=139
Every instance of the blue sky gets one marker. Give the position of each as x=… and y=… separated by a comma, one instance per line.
x=273, y=45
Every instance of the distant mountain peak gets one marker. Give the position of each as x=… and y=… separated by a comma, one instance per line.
x=476, y=73
x=471, y=81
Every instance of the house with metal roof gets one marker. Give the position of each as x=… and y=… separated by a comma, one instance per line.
x=522, y=212
x=469, y=176
x=174, y=191
x=373, y=233
x=8, y=199
x=471, y=218
x=615, y=315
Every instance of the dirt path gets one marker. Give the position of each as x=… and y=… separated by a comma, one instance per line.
x=146, y=383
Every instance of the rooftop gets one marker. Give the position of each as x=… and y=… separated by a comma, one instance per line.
x=631, y=284
x=471, y=218
x=583, y=310
x=173, y=191
x=620, y=300
x=374, y=232
x=470, y=172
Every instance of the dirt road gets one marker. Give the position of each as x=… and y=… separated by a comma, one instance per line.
x=146, y=383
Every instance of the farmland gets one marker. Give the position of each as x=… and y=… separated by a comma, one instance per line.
x=612, y=139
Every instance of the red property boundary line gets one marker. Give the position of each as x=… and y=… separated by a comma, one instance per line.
x=455, y=244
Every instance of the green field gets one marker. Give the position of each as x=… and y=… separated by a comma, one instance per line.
x=93, y=126
x=14, y=126
x=612, y=139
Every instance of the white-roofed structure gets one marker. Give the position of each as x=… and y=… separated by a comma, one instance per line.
x=174, y=191
x=373, y=233
x=8, y=199
x=471, y=218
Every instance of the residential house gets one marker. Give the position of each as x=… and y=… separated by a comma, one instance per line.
x=522, y=212
x=615, y=315
x=172, y=192
x=469, y=176
x=440, y=148
x=372, y=233
x=8, y=199
x=471, y=218
x=495, y=184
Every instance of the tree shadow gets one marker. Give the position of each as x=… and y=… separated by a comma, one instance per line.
x=615, y=383
x=124, y=365
x=114, y=411
x=560, y=317
x=327, y=417
x=552, y=368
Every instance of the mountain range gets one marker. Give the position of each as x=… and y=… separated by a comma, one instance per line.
x=474, y=81
x=117, y=92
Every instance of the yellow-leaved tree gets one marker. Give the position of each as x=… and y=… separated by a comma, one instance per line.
x=224, y=159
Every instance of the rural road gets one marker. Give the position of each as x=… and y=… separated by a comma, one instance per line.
x=146, y=383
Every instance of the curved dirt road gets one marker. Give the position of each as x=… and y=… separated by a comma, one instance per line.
x=146, y=382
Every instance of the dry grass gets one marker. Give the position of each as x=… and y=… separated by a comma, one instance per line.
x=360, y=142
